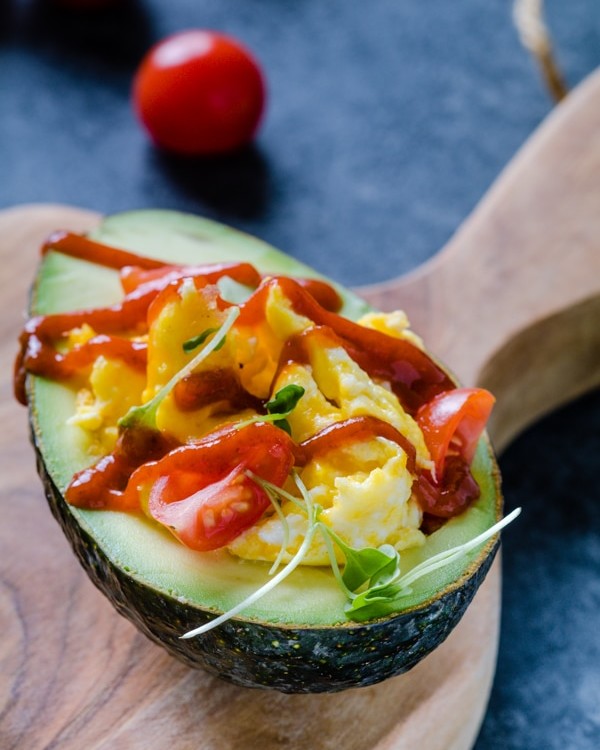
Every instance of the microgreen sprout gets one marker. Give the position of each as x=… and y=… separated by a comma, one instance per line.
x=448, y=556
x=279, y=408
x=193, y=343
x=284, y=494
x=145, y=415
x=371, y=577
x=286, y=399
x=363, y=565
x=272, y=495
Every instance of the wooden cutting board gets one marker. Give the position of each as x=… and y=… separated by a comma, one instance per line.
x=512, y=303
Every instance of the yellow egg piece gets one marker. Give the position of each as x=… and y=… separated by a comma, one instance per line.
x=114, y=388
x=365, y=488
x=395, y=324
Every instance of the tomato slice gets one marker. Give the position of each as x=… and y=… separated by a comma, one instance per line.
x=453, y=422
x=211, y=516
x=450, y=494
x=202, y=493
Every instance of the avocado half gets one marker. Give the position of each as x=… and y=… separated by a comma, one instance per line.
x=297, y=638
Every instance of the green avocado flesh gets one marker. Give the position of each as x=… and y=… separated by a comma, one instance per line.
x=148, y=556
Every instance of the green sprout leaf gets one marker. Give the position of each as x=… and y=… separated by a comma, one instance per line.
x=284, y=425
x=145, y=415
x=286, y=399
x=279, y=408
x=284, y=403
x=367, y=564
x=384, y=594
x=196, y=341
x=375, y=598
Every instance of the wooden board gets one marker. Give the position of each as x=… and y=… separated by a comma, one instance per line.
x=511, y=302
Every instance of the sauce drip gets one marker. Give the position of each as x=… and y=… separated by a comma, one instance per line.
x=78, y=246
x=348, y=431
x=323, y=293
x=102, y=486
x=42, y=359
x=145, y=278
x=414, y=377
x=148, y=284
x=134, y=276
x=210, y=386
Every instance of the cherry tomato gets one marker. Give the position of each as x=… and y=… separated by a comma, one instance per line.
x=211, y=516
x=449, y=495
x=452, y=423
x=198, y=93
x=201, y=492
x=454, y=420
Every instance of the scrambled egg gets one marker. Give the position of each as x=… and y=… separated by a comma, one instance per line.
x=113, y=389
x=365, y=491
x=394, y=324
x=364, y=488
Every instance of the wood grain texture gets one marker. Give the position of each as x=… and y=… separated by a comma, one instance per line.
x=512, y=301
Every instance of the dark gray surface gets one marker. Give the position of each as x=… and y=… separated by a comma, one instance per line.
x=546, y=695
x=387, y=122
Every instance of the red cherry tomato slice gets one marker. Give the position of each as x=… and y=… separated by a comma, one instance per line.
x=452, y=494
x=198, y=93
x=201, y=491
x=213, y=515
x=452, y=423
x=454, y=420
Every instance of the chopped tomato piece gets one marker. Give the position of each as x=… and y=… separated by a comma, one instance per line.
x=453, y=422
x=211, y=516
x=450, y=494
x=202, y=493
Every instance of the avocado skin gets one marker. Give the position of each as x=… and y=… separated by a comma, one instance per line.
x=291, y=659
x=249, y=654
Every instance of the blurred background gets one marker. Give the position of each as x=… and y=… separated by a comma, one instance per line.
x=386, y=122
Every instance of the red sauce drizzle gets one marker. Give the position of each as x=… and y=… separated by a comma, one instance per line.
x=348, y=431
x=146, y=278
x=415, y=378
x=148, y=284
x=134, y=276
x=210, y=386
x=102, y=486
x=323, y=293
x=45, y=361
x=78, y=246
